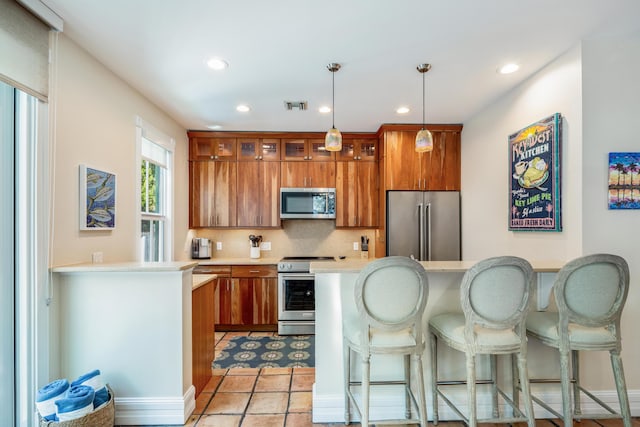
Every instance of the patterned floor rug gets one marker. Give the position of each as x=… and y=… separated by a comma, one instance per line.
x=296, y=351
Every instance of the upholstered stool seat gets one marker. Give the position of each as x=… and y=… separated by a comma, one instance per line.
x=494, y=294
x=390, y=296
x=590, y=293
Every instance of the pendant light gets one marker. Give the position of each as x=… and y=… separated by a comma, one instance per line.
x=333, y=139
x=424, y=139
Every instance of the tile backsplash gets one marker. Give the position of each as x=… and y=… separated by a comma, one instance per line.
x=296, y=238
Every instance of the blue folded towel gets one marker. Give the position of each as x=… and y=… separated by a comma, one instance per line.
x=46, y=397
x=77, y=403
x=94, y=380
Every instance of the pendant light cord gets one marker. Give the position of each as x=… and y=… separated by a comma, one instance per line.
x=333, y=99
x=423, y=102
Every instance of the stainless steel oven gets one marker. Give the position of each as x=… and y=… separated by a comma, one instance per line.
x=296, y=295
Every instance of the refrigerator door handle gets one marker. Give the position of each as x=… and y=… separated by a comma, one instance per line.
x=427, y=218
x=421, y=236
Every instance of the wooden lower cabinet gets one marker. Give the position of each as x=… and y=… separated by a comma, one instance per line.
x=203, y=334
x=247, y=299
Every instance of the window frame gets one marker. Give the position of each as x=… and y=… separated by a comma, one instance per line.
x=150, y=133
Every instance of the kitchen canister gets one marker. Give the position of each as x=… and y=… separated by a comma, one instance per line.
x=255, y=252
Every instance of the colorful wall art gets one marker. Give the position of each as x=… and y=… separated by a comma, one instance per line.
x=624, y=181
x=534, y=189
x=97, y=199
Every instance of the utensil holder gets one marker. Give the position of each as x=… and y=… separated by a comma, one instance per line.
x=255, y=252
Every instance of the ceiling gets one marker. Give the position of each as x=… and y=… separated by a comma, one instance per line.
x=278, y=51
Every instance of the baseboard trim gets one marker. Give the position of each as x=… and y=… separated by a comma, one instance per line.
x=386, y=404
x=155, y=410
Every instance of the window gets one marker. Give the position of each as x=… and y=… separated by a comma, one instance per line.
x=156, y=152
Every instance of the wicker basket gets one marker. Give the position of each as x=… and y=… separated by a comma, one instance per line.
x=103, y=417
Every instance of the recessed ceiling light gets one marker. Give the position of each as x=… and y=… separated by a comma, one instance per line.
x=508, y=68
x=217, y=64
x=243, y=108
x=214, y=127
x=324, y=109
x=403, y=110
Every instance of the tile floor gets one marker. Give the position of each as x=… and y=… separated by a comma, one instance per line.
x=282, y=397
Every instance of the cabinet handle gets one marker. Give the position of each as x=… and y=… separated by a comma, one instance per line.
x=212, y=157
x=310, y=157
x=260, y=157
x=257, y=157
x=254, y=271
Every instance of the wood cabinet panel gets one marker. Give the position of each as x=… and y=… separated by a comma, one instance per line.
x=258, y=194
x=203, y=333
x=308, y=174
x=435, y=170
x=248, y=299
x=357, y=191
x=213, y=189
x=301, y=149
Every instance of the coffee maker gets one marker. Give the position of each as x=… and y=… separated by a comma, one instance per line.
x=200, y=248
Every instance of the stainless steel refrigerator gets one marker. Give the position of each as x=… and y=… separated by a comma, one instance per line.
x=424, y=224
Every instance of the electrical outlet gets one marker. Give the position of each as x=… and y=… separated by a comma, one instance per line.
x=355, y=246
x=96, y=257
x=218, y=246
x=265, y=246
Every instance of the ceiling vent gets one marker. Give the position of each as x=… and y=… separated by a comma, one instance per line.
x=295, y=105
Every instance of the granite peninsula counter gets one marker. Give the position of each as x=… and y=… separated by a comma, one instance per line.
x=133, y=321
x=335, y=283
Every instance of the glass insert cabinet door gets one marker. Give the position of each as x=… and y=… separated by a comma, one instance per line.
x=358, y=149
x=259, y=149
x=306, y=149
x=213, y=149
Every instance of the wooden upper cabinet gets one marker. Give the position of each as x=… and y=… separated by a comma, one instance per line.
x=308, y=174
x=207, y=148
x=267, y=149
x=306, y=149
x=436, y=170
x=258, y=194
x=213, y=189
x=358, y=149
x=357, y=193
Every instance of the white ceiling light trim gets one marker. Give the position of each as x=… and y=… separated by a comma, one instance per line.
x=243, y=108
x=402, y=110
x=509, y=68
x=217, y=64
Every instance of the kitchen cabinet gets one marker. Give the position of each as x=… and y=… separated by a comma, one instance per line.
x=306, y=149
x=258, y=183
x=213, y=194
x=357, y=194
x=308, y=174
x=246, y=297
x=265, y=149
x=261, y=282
x=436, y=170
x=202, y=147
x=203, y=333
x=358, y=149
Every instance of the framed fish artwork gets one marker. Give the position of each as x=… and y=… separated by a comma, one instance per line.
x=534, y=176
x=97, y=199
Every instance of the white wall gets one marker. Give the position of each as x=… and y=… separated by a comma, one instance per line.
x=610, y=124
x=95, y=125
x=595, y=88
x=485, y=166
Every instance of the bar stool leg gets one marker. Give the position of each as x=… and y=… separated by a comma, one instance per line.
x=567, y=407
x=471, y=388
x=433, y=342
x=526, y=389
x=621, y=387
x=493, y=360
x=422, y=399
x=407, y=381
x=366, y=372
x=347, y=383
x=575, y=372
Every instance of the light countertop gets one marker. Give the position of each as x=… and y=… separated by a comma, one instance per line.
x=202, y=279
x=354, y=266
x=238, y=261
x=129, y=267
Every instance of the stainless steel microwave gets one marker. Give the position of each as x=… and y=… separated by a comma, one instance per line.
x=307, y=203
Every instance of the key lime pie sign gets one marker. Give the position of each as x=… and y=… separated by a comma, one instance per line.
x=534, y=189
x=97, y=199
